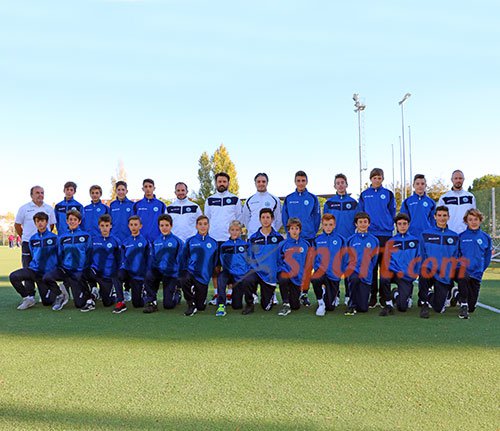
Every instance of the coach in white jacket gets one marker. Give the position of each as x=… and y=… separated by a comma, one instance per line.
x=184, y=213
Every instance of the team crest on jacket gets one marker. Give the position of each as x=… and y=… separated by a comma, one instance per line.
x=425, y=204
x=140, y=244
x=335, y=242
x=267, y=204
x=81, y=239
x=382, y=196
x=450, y=240
x=368, y=245
x=301, y=249
x=169, y=244
x=228, y=200
x=306, y=202
x=348, y=206
x=109, y=245
x=73, y=208
x=411, y=244
x=98, y=210
x=128, y=210
x=479, y=241
x=155, y=209
x=188, y=210
x=241, y=248
x=209, y=245
x=274, y=239
x=49, y=242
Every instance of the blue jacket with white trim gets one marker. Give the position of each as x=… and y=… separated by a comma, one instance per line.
x=43, y=249
x=343, y=207
x=328, y=247
x=380, y=205
x=135, y=256
x=60, y=211
x=305, y=206
x=90, y=220
x=234, y=255
x=264, y=255
x=75, y=248
x=106, y=255
x=293, y=251
x=200, y=257
x=166, y=254
x=363, y=255
x=475, y=245
x=401, y=256
x=149, y=210
x=421, y=210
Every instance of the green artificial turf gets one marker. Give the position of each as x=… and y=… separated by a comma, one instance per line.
x=71, y=370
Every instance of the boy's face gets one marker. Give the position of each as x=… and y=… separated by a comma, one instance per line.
x=222, y=184
x=328, y=226
x=165, y=227
x=261, y=184
x=202, y=226
x=181, y=191
x=362, y=225
x=442, y=218
x=402, y=226
x=69, y=192
x=73, y=221
x=420, y=185
x=300, y=183
x=41, y=224
x=376, y=181
x=234, y=231
x=473, y=222
x=266, y=220
x=121, y=192
x=95, y=195
x=148, y=190
x=135, y=227
x=341, y=186
x=105, y=228
x=294, y=231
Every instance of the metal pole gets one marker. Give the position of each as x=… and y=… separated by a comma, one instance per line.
x=401, y=166
x=409, y=147
x=393, y=178
x=493, y=214
x=360, y=161
x=403, y=189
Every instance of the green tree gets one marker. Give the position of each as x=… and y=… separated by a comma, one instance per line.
x=485, y=182
x=121, y=175
x=221, y=162
x=437, y=188
x=205, y=178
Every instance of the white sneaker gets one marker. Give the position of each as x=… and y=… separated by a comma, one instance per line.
x=61, y=300
x=321, y=310
x=28, y=302
x=275, y=300
x=337, y=301
x=95, y=293
x=213, y=301
x=346, y=300
x=255, y=298
x=410, y=302
x=447, y=304
x=127, y=296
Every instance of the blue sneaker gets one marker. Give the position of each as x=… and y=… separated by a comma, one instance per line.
x=221, y=311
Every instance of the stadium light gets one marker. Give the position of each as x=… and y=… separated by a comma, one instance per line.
x=358, y=108
x=401, y=103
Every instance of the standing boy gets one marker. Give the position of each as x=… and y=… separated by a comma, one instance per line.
x=121, y=209
x=93, y=211
x=419, y=207
x=148, y=209
x=67, y=204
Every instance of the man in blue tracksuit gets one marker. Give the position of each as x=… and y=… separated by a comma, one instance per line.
x=234, y=256
x=148, y=209
x=400, y=265
x=475, y=246
x=166, y=253
x=105, y=261
x=329, y=265
x=363, y=250
x=264, y=257
x=292, y=267
x=419, y=207
x=199, y=259
x=379, y=203
x=68, y=204
x=121, y=209
x=439, y=252
x=43, y=250
x=74, y=248
x=93, y=211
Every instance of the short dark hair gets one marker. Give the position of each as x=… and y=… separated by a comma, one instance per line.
x=134, y=217
x=95, y=187
x=261, y=174
x=294, y=221
x=222, y=174
x=181, y=183
x=165, y=217
x=300, y=174
x=341, y=176
x=40, y=216
x=33, y=189
x=328, y=216
x=361, y=215
x=419, y=177
x=121, y=183
x=105, y=218
x=202, y=217
x=401, y=216
x=75, y=213
x=69, y=184
x=442, y=208
x=376, y=171
x=266, y=210
x=148, y=180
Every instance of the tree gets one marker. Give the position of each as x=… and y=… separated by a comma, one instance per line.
x=121, y=175
x=485, y=182
x=221, y=162
x=205, y=178
x=437, y=189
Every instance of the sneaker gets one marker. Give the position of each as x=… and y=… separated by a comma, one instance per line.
x=321, y=310
x=351, y=311
x=221, y=311
x=60, y=302
x=336, y=302
x=410, y=302
x=464, y=312
x=229, y=299
x=386, y=311
x=249, y=309
x=190, y=311
x=127, y=296
x=454, y=296
x=256, y=299
x=89, y=306
x=275, y=299
x=373, y=301
x=95, y=293
x=305, y=300
x=150, y=307
x=28, y=302
x=346, y=301
x=120, y=307
x=284, y=310
x=424, y=311
x=213, y=301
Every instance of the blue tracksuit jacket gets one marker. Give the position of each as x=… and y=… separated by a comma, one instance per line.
x=120, y=212
x=293, y=250
x=264, y=255
x=135, y=256
x=106, y=255
x=234, y=255
x=43, y=248
x=475, y=245
x=149, y=210
x=328, y=247
x=381, y=207
x=60, y=211
x=91, y=214
x=421, y=210
x=200, y=257
x=166, y=254
x=401, y=256
x=75, y=248
x=343, y=207
x=362, y=246
x=304, y=206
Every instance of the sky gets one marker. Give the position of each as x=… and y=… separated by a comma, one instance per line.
x=154, y=83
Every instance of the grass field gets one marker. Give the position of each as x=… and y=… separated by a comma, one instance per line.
x=99, y=371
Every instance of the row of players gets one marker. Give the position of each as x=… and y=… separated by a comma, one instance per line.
x=438, y=257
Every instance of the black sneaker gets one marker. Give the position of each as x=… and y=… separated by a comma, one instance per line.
x=305, y=300
x=424, y=311
x=190, y=311
x=464, y=312
x=249, y=309
x=351, y=311
x=386, y=311
x=89, y=306
x=150, y=307
x=454, y=296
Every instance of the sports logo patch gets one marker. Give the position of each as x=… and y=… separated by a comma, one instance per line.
x=188, y=210
x=348, y=206
x=228, y=200
x=425, y=204
x=267, y=204
x=274, y=239
x=49, y=242
x=241, y=248
x=128, y=210
x=479, y=241
x=209, y=245
x=140, y=244
x=411, y=244
x=169, y=244
x=306, y=202
x=368, y=245
x=382, y=196
x=81, y=239
x=450, y=240
x=155, y=209
x=73, y=208
x=301, y=250
x=335, y=242
x=109, y=245
x=98, y=210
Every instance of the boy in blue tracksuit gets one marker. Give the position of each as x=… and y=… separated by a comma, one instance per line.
x=379, y=203
x=329, y=265
x=264, y=256
x=105, y=261
x=68, y=204
x=419, y=207
x=93, y=211
x=475, y=246
x=134, y=264
x=43, y=249
x=439, y=252
x=363, y=250
x=121, y=209
x=234, y=256
x=292, y=267
x=148, y=209
x=166, y=253
x=199, y=259
x=400, y=265
x=74, y=250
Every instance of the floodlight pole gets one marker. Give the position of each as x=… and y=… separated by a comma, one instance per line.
x=358, y=108
x=401, y=103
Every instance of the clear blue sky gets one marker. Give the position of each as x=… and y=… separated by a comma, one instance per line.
x=154, y=83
